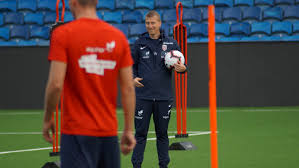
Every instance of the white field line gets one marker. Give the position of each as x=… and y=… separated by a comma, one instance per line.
x=47, y=148
x=173, y=111
x=40, y=133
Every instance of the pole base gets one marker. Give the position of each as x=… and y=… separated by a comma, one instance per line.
x=54, y=154
x=181, y=135
x=52, y=165
x=182, y=146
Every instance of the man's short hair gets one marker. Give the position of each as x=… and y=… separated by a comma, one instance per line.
x=89, y=3
x=153, y=13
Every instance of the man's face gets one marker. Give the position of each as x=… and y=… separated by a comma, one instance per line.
x=153, y=25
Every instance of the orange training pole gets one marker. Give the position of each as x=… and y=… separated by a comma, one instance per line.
x=212, y=87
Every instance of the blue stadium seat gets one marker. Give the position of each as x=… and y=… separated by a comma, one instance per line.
x=34, y=18
x=164, y=4
x=113, y=17
x=231, y=15
x=185, y=3
x=4, y=33
x=282, y=28
x=166, y=28
x=27, y=5
x=202, y=3
x=283, y=2
x=199, y=30
x=169, y=15
x=296, y=1
x=100, y=14
x=66, y=3
x=218, y=14
x=19, y=32
x=296, y=28
x=50, y=18
x=5, y=43
x=46, y=5
x=40, y=32
x=144, y=4
x=132, y=17
x=136, y=29
x=261, y=29
x=291, y=13
x=123, y=27
x=244, y=2
x=171, y=29
x=251, y=14
x=264, y=3
x=25, y=42
x=41, y=42
x=240, y=29
x=192, y=15
x=8, y=5
x=224, y=3
x=68, y=17
x=13, y=18
x=271, y=14
x=106, y=4
x=1, y=19
x=222, y=29
x=124, y=4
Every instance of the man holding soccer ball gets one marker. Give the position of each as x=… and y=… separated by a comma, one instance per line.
x=153, y=87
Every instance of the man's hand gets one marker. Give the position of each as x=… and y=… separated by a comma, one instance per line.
x=48, y=126
x=137, y=82
x=179, y=67
x=127, y=142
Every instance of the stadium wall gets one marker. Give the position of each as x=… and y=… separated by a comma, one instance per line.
x=248, y=74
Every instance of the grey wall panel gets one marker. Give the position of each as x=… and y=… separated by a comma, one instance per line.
x=248, y=74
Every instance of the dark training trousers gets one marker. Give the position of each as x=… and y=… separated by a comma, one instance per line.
x=89, y=152
x=161, y=115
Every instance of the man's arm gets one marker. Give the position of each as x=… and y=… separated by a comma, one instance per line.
x=135, y=56
x=53, y=91
x=128, y=141
x=179, y=67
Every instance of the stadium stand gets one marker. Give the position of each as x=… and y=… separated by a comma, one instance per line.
x=236, y=20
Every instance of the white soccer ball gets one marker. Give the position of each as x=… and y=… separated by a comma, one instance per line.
x=173, y=57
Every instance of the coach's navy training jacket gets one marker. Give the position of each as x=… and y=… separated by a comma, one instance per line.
x=148, y=55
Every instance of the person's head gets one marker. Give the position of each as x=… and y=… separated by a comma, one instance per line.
x=76, y=6
x=153, y=23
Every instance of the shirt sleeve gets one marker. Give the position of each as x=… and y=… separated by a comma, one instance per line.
x=58, y=48
x=135, y=58
x=126, y=57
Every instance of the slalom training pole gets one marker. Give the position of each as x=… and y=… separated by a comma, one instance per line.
x=212, y=86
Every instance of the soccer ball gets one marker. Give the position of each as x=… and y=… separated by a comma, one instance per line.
x=173, y=57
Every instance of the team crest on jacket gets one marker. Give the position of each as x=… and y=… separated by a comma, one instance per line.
x=164, y=47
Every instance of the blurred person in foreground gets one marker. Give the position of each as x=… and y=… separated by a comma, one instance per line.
x=88, y=56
